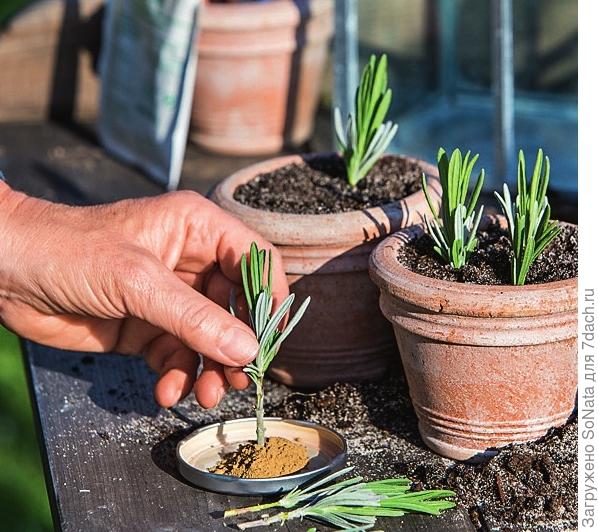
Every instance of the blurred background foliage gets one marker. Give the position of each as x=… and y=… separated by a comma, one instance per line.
x=23, y=498
x=10, y=7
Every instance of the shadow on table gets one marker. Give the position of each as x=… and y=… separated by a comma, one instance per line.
x=164, y=453
x=119, y=384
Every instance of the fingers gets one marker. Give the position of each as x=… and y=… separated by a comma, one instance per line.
x=177, y=366
x=157, y=351
x=177, y=378
x=134, y=335
x=237, y=378
x=211, y=385
x=77, y=333
x=219, y=288
x=212, y=231
x=153, y=293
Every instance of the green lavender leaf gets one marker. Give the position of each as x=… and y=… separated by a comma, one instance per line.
x=257, y=287
x=454, y=227
x=528, y=218
x=350, y=504
x=365, y=136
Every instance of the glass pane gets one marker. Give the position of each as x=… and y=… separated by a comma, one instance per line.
x=441, y=74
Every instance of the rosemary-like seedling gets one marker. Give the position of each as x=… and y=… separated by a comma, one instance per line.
x=258, y=293
x=530, y=226
x=350, y=504
x=454, y=228
x=365, y=137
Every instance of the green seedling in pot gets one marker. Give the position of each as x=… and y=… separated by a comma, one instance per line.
x=365, y=137
x=257, y=286
x=530, y=226
x=455, y=226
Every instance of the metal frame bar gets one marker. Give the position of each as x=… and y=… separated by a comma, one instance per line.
x=448, y=47
x=504, y=93
x=346, y=56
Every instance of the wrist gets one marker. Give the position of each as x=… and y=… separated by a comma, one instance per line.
x=5, y=190
x=10, y=201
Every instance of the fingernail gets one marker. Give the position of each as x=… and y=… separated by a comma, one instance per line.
x=239, y=346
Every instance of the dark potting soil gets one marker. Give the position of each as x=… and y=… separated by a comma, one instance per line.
x=490, y=263
x=319, y=186
x=529, y=486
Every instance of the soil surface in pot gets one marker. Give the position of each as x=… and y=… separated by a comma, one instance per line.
x=490, y=263
x=320, y=186
x=525, y=487
x=278, y=457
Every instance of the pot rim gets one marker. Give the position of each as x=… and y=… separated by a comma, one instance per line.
x=342, y=228
x=465, y=299
x=254, y=16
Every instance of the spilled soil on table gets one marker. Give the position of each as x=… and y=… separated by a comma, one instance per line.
x=529, y=486
x=320, y=186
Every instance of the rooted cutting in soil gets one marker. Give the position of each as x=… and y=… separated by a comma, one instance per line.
x=277, y=458
x=320, y=186
x=490, y=263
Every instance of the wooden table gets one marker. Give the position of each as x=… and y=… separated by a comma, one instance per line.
x=108, y=449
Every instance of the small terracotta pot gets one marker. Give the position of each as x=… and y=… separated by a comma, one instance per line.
x=486, y=365
x=259, y=73
x=343, y=336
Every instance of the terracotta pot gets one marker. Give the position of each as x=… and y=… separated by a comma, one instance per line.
x=486, y=365
x=343, y=336
x=259, y=74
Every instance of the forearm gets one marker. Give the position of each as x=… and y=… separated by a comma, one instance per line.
x=6, y=207
x=25, y=249
x=10, y=201
x=9, y=204
x=5, y=192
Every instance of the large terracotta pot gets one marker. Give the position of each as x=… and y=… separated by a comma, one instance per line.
x=259, y=74
x=343, y=336
x=486, y=365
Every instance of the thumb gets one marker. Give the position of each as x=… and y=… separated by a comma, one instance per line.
x=156, y=295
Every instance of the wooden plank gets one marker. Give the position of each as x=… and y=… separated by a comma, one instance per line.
x=64, y=163
x=110, y=449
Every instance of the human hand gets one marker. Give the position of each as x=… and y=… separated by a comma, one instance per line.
x=148, y=276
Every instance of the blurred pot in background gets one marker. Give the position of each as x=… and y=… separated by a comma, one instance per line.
x=259, y=74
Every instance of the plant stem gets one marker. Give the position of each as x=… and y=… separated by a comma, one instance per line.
x=259, y=412
x=250, y=509
x=277, y=518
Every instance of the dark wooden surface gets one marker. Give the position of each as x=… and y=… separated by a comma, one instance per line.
x=64, y=163
x=108, y=449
